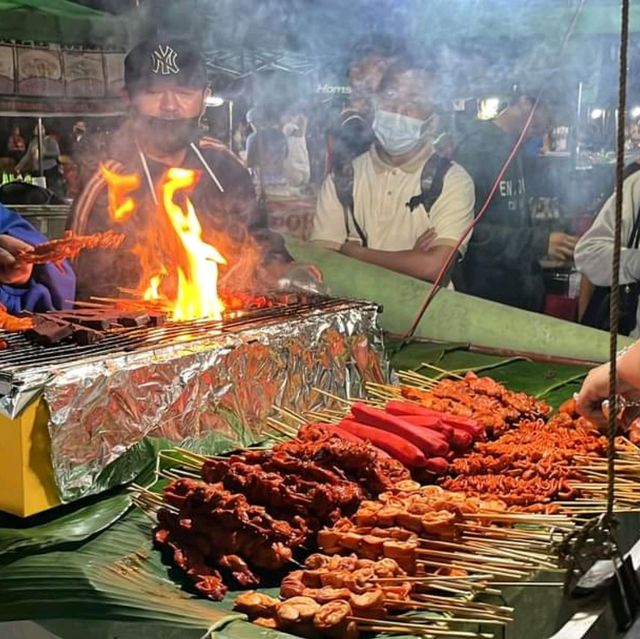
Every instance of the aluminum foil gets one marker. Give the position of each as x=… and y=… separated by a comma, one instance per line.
x=226, y=383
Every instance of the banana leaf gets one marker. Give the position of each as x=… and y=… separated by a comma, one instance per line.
x=54, y=529
x=452, y=317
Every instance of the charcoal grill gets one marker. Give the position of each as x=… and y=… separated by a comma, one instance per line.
x=69, y=412
x=24, y=358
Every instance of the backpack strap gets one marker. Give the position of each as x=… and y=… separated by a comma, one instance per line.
x=343, y=178
x=431, y=182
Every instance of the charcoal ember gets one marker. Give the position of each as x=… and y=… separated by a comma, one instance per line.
x=157, y=319
x=83, y=335
x=95, y=321
x=133, y=320
x=48, y=332
x=3, y=344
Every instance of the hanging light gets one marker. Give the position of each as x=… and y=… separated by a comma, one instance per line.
x=488, y=108
x=597, y=113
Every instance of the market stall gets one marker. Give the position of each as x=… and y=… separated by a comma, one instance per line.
x=201, y=460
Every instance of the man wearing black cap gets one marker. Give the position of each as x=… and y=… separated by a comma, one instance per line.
x=166, y=86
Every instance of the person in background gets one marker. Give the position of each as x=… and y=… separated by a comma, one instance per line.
x=79, y=130
x=167, y=87
x=25, y=287
x=503, y=259
x=16, y=145
x=353, y=135
x=266, y=150
x=50, y=160
x=297, y=169
x=594, y=250
x=370, y=218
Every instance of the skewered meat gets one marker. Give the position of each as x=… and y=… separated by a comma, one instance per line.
x=529, y=466
x=482, y=398
x=12, y=323
x=68, y=247
x=297, y=609
x=252, y=510
x=255, y=604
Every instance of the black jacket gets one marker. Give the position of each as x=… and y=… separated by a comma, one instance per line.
x=502, y=260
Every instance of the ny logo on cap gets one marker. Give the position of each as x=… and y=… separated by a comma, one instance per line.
x=164, y=60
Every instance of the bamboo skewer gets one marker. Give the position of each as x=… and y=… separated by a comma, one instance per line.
x=459, y=610
x=442, y=371
x=545, y=584
x=476, y=559
x=530, y=558
x=429, y=630
x=475, y=605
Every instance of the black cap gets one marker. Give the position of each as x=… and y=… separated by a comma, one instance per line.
x=167, y=60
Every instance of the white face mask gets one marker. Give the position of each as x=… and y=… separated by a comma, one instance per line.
x=398, y=134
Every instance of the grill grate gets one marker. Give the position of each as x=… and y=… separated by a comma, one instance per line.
x=24, y=356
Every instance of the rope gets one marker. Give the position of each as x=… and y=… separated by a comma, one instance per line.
x=617, y=247
x=596, y=538
x=437, y=284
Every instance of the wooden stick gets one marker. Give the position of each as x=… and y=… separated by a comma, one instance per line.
x=473, y=558
x=340, y=400
x=416, y=605
x=554, y=584
x=470, y=604
x=442, y=370
x=471, y=545
x=477, y=568
x=428, y=629
x=541, y=560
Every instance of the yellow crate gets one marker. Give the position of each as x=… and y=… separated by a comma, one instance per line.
x=27, y=485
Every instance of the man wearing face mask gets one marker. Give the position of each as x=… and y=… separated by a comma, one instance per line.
x=166, y=87
x=402, y=207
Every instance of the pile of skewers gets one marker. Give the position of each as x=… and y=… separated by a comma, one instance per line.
x=421, y=439
x=224, y=520
x=480, y=398
x=341, y=596
x=428, y=530
x=343, y=481
x=531, y=466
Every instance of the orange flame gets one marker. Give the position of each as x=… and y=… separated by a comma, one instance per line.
x=174, y=251
x=120, y=205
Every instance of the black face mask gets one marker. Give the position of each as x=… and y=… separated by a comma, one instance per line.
x=168, y=135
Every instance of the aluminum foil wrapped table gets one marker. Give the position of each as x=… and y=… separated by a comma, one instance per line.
x=68, y=414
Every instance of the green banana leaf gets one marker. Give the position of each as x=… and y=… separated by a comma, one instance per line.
x=452, y=317
x=55, y=529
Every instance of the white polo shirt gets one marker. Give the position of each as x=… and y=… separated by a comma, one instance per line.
x=381, y=193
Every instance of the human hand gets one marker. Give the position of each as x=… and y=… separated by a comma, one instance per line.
x=12, y=271
x=351, y=249
x=595, y=389
x=302, y=277
x=561, y=246
x=425, y=241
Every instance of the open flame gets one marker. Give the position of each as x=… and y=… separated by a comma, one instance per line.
x=179, y=268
